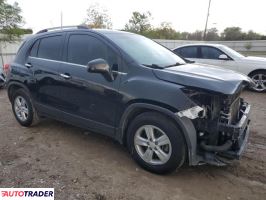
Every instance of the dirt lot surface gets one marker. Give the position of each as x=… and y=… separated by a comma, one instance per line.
x=84, y=165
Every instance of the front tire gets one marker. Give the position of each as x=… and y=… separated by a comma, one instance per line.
x=156, y=143
x=259, y=78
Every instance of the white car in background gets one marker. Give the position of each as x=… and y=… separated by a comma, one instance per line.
x=222, y=56
x=2, y=77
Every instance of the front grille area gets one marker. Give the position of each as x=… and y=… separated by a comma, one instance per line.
x=234, y=110
x=230, y=113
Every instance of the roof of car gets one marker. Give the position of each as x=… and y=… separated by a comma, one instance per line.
x=200, y=44
x=103, y=31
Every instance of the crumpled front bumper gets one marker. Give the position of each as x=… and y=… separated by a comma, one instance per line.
x=234, y=147
x=240, y=135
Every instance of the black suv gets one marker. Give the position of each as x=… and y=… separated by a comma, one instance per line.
x=164, y=110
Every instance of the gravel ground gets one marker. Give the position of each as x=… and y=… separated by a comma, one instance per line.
x=84, y=165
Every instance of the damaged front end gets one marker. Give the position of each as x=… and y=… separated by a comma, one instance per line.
x=222, y=125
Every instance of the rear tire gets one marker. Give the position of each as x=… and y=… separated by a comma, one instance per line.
x=259, y=78
x=23, y=108
x=162, y=153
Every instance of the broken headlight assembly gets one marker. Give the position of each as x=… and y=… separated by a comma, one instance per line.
x=206, y=105
x=192, y=113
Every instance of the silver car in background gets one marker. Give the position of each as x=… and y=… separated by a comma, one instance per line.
x=2, y=77
x=219, y=55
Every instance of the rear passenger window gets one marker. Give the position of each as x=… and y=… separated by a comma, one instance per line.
x=188, y=52
x=34, y=49
x=84, y=48
x=50, y=48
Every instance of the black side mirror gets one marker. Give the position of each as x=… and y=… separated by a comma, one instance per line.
x=100, y=65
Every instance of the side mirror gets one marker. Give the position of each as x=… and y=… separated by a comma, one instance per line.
x=100, y=65
x=224, y=57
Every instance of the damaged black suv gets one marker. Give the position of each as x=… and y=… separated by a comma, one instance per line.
x=164, y=110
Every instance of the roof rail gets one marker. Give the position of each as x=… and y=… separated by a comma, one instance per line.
x=62, y=27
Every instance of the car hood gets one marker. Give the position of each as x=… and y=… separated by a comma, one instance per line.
x=204, y=77
x=255, y=60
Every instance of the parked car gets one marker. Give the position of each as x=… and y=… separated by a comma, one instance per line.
x=132, y=89
x=2, y=78
x=222, y=56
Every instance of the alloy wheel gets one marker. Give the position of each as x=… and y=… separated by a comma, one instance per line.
x=152, y=145
x=260, y=81
x=21, y=108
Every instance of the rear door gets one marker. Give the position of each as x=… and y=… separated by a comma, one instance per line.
x=89, y=97
x=44, y=59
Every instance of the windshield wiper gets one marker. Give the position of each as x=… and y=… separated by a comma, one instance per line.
x=155, y=66
x=173, y=65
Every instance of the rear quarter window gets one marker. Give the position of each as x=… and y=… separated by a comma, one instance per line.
x=50, y=48
x=34, y=49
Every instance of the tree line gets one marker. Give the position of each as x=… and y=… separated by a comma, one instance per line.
x=140, y=23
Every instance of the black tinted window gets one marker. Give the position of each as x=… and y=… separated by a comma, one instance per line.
x=188, y=52
x=84, y=48
x=178, y=52
x=210, y=53
x=50, y=48
x=34, y=49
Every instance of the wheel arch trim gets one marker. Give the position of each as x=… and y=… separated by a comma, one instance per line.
x=18, y=84
x=185, y=124
x=256, y=70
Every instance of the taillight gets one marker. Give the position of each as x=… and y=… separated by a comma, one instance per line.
x=6, y=68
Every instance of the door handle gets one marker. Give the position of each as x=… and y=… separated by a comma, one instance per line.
x=28, y=65
x=65, y=76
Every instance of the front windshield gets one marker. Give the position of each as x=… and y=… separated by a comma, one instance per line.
x=232, y=52
x=145, y=51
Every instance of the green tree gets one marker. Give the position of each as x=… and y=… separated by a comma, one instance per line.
x=232, y=33
x=197, y=35
x=263, y=37
x=26, y=30
x=97, y=17
x=184, y=35
x=139, y=23
x=212, y=34
x=251, y=35
x=165, y=31
x=10, y=21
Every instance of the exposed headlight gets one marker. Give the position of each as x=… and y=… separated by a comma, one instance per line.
x=192, y=113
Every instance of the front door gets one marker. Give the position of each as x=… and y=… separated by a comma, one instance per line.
x=89, y=96
x=210, y=55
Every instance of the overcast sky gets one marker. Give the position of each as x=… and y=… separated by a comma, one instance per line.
x=185, y=15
